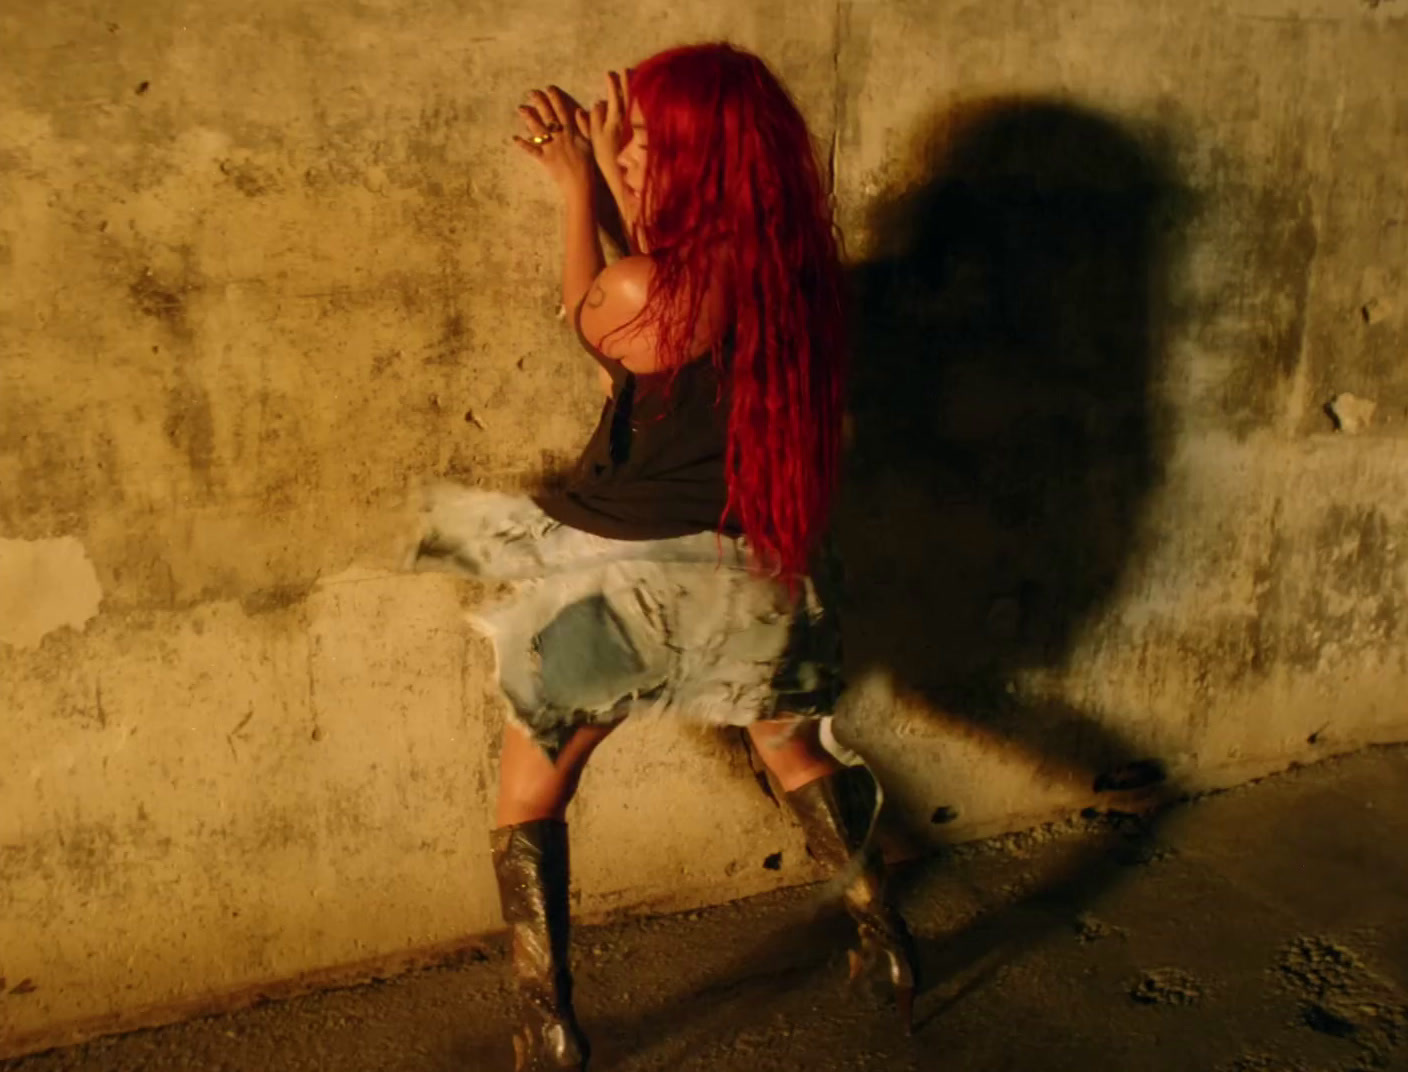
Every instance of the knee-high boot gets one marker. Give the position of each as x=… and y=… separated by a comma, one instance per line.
x=836, y=812
x=531, y=862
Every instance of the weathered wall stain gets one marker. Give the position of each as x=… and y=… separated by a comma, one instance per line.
x=277, y=598
x=153, y=298
x=84, y=856
x=248, y=177
x=45, y=585
x=1331, y=593
x=189, y=426
x=451, y=347
x=1360, y=560
x=1281, y=250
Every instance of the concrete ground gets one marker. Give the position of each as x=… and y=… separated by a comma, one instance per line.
x=1259, y=930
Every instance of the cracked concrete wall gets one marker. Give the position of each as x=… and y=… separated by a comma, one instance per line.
x=265, y=268
x=1115, y=265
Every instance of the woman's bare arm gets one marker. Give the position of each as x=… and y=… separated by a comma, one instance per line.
x=582, y=256
x=559, y=135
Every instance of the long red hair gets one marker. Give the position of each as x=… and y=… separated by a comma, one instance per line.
x=732, y=187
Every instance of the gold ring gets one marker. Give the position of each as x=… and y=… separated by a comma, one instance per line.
x=540, y=139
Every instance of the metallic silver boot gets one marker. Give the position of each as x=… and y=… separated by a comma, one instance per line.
x=531, y=862
x=835, y=812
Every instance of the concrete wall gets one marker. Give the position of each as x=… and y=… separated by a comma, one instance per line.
x=266, y=267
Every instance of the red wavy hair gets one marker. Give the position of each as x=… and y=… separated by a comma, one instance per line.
x=732, y=187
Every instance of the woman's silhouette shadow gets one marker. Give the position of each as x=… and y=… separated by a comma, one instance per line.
x=1006, y=438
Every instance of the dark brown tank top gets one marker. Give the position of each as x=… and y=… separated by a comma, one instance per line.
x=654, y=467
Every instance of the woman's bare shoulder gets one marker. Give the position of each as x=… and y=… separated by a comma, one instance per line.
x=616, y=297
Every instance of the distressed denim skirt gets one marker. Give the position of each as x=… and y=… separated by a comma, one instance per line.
x=597, y=629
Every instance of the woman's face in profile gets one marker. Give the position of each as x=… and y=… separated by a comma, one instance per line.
x=631, y=159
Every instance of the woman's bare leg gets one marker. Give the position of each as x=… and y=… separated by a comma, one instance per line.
x=811, y=779
x=791, y=750
x=532, y=786
x=530, y=851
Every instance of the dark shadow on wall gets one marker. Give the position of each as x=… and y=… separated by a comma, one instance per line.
x=1005, y=439
x=1009, y=327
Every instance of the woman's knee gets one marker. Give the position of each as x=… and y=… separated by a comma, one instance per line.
x=521, y=803
x=791, y=749
x=533, y=785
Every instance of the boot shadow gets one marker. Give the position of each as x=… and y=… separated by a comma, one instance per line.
x=749, y=990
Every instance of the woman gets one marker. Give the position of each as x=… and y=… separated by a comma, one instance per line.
x=672, y=571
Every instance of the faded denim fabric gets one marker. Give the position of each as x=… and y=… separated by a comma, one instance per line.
x=599, y=629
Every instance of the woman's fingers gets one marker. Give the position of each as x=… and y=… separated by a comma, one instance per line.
x=548, y=107
x=553, y=107
x=533, y=119
x=540, y=105
x=564, y=102
x=537, y=129
x=615, y=104
x=623, y=79
x=557, y=133
x=613, y=100
x=552, y=110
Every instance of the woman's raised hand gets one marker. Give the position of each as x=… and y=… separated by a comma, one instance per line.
x=559, y=135
x=609, y=126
